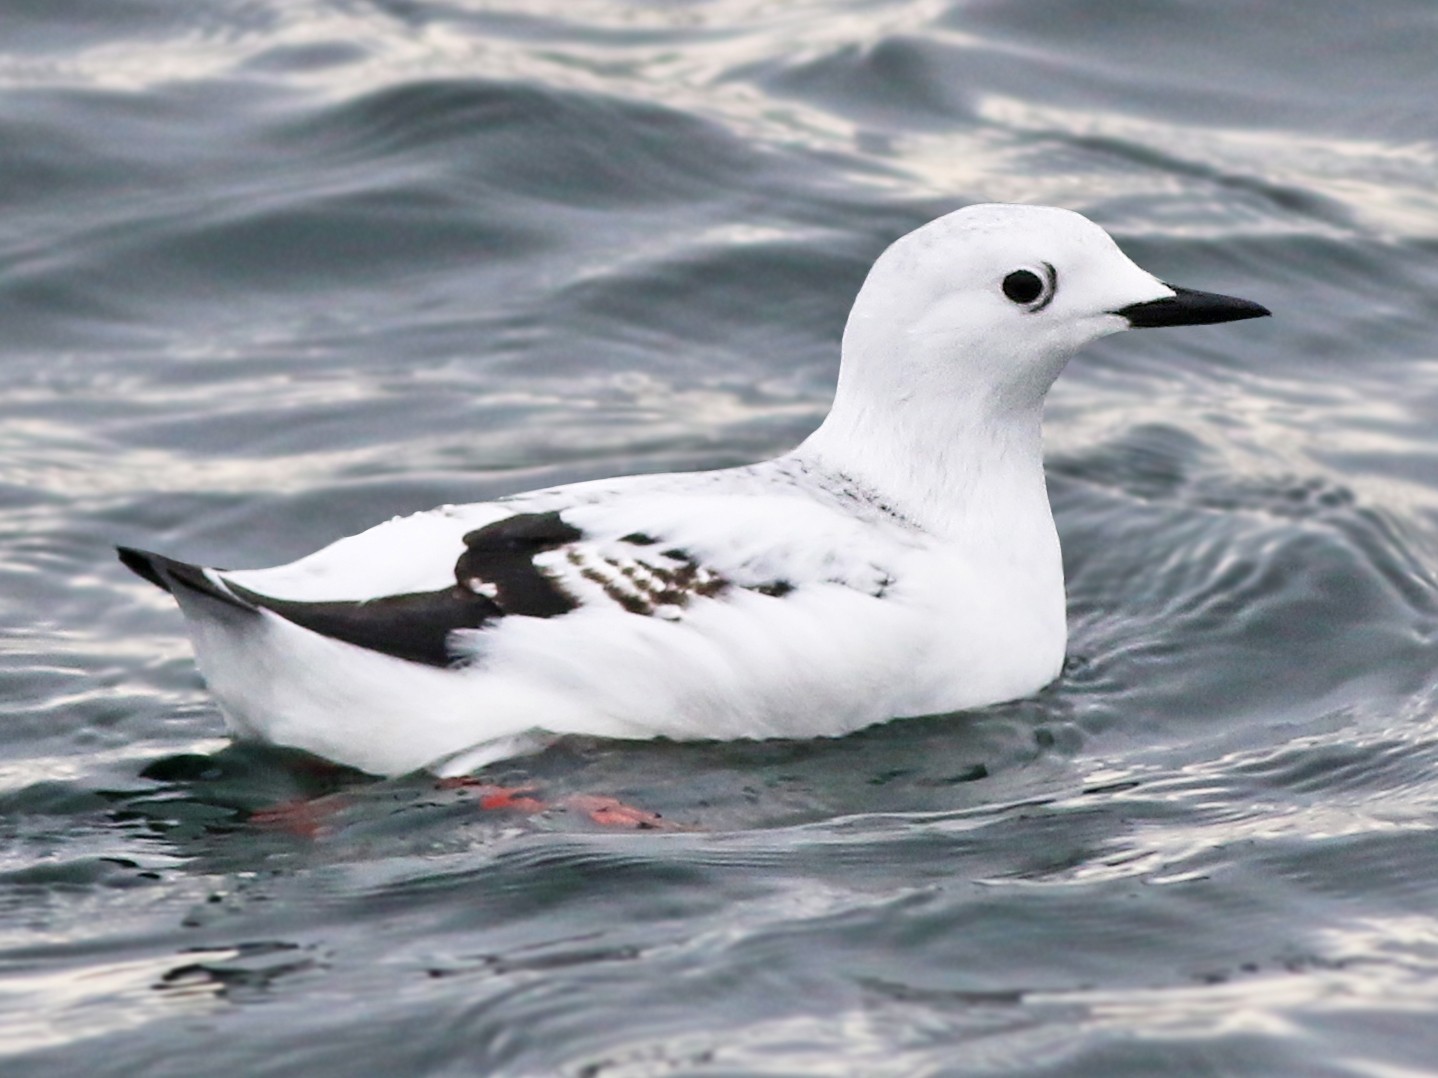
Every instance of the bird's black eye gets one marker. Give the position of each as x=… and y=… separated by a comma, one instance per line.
x=1023, y=286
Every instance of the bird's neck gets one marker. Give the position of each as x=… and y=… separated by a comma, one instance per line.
x=968, y=468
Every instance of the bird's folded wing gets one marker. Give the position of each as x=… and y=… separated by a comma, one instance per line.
x=403, y=588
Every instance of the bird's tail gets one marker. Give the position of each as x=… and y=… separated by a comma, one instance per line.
x=178, y=577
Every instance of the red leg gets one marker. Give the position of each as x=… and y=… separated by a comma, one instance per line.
x=611, y=812
x=605, y=811
x=303, y=817
x=309, y=818
x=491, y=796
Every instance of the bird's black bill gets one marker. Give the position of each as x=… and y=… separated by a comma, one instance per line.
x=1187, y=307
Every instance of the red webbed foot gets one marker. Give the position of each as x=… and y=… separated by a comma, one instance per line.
x=303, y=817
x=605, y=811
x=611, y=812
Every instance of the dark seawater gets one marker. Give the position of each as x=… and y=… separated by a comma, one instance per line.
x=273, y=271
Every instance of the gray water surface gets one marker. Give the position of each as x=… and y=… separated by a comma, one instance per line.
x=272, y=272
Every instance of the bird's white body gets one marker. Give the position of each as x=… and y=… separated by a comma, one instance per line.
x=902, y=561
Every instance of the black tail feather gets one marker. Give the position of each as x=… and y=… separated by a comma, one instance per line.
x=415, y=627
x=169, y=574
x=139, y=562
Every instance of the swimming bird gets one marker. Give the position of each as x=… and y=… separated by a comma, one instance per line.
x=901, y=561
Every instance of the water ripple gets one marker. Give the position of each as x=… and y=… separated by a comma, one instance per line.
x=272, y=272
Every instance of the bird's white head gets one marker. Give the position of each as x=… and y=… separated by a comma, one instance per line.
x=991, y=301
x=962, y=326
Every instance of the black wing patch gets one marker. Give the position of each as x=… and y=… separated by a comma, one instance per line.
x=495, y=577
x=499, y=564
x=414, y=627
